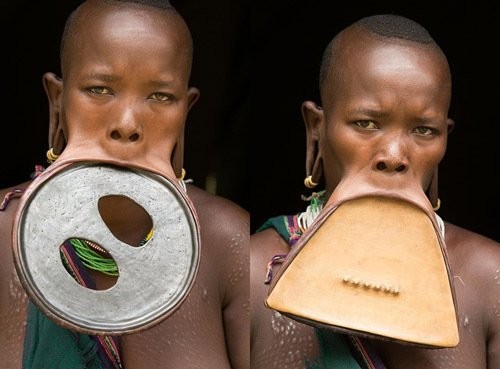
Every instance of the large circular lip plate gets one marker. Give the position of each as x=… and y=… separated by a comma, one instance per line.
x=154, y=278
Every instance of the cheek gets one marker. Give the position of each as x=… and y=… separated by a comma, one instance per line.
x=80, y=116
x=346, y=149
x=165, y=123
x=83, y=124
x=429, y=155
x=162, y=131
x=427, y=161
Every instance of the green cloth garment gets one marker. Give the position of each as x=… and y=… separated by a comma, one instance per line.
x=49, y=346
x=335, y=352
x=279, y=225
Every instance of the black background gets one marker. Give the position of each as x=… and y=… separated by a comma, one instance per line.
x=255, y=63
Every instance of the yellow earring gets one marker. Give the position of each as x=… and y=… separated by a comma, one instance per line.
x=438, y=205
x=308, y=182
x=183, y=174
x=51, y=156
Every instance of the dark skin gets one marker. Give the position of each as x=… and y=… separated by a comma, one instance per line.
x=109, y=102
x=396, y=114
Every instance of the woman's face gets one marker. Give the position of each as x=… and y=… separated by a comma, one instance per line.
x=385, y=113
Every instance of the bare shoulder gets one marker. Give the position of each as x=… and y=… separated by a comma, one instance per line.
x=263, y=246
x=8, y=196
x=225, y=232
x=473, y=252
x=218, y=214
x=224, y=228
x=475, y=265
x=9, y=202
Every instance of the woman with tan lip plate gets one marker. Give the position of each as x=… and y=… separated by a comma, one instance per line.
x=382, y=123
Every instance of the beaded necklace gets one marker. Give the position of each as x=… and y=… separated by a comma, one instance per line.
x=296, y=226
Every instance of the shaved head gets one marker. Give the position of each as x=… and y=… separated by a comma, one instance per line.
x=388, y=28
x=82, y=17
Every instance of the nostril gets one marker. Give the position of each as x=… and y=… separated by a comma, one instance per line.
x=381, y=166
x=134, y=137
x=400, y=168
x=115, y=135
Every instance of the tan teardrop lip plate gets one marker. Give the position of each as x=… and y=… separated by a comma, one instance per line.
x=375, y=267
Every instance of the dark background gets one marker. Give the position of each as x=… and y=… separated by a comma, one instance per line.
x=255, y=63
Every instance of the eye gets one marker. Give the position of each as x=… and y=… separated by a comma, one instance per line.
x=99, y=90
x=161, y=96
x=424, y=131
x=366, y=124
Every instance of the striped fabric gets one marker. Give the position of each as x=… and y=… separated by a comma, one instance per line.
x=107, y=346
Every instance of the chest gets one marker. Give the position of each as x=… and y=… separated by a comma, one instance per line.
x=468, y=354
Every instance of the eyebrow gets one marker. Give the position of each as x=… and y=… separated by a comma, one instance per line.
x=162, y=83
x=368, y=112
x=108, y=78
x=380, y=114
x=101, y=77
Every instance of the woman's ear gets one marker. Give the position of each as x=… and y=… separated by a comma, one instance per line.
x=450, y=124
x=313, y=116
x=193, y=95
x=53, y=88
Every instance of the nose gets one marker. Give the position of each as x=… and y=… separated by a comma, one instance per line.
x=127, y=128
x=392, y=157
x=387, y=166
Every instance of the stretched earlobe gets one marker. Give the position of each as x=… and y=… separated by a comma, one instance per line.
x=177, y=157
x=432, y=191
x=53, y=86
x=313, y=118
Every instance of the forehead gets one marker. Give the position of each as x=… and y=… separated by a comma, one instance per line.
x=365, y=61
x=95, y=13
x=100, y=27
